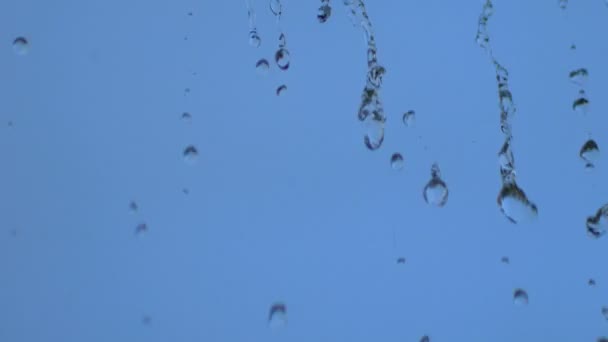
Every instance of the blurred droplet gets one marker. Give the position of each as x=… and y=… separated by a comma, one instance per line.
x=262, y=66
x=401, y=260
x=590, y=153
x=605, y=312
x=324, y=13
x=397, y=161
x=563, y=4
x=436, y=190
x=573, y=47
x=275, y=7
x=146, y=320
x=277, y=317
x=505, y=260
x=186, y=191
x=133, y=206
x=21, y=46
x=579, y=76
x=520, y=297
x=598, y=225
x=281, y=89
x=425, y=338
x=141, y=228
x=581, y=104
x=282, y=58
x=186, y=117
x=515, y=205
x=254, y=39
x=591, y=282
x=602, y=339
x=190, y=154
x=409, y=118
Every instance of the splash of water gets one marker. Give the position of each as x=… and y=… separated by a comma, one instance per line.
x=512, y=200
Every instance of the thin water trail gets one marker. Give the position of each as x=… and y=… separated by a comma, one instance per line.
x=254, y=37
x=281, y=56
x=511, y=200
x=371, y=111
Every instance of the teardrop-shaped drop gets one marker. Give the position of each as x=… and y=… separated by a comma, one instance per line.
x=515, y=205
x=435, y=192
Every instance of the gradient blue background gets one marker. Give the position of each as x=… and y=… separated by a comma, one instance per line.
x=286, y=203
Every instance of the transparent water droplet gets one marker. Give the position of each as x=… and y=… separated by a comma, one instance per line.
x=590, y=153
x=563, y=4
x=581, y=104
x=425, y=338
x=598, y=225
x=374, y=131
x=282, y=40
x=21, y=46
x=397, y=161
x=591, y=282
x=520, y=297
x=436, y=190
x=401, y=260
x=133, y=206
x=276, y=7
x=515, y=205
x=262, y=66
x=186, y=117
x=605, y=312
x=277, y=316
x=281, y=89
x=190, y=154
x=282, y=58
x=505, y=260
x=141, y=228
x=324, y=13
x=573, y=47
x=409, y=118
x=579, y=76
x=254, y=39
x=602, y=339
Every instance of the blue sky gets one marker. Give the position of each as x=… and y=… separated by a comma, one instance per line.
x=285, y=203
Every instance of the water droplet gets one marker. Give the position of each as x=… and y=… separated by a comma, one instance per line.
x=573, y=47
x=563, y=4
x=282, y=40
x=281, y=89
x=262, y=66
x=602, y=339
x=591, y=282
x=254, y=39
x=141, y=228
x=21, y=46
x=186, y=191
x=186, y=117
x=374, y=131
x=146, y=320
x=275, y=7
x=397, y=161
x=579, y=76
x=515, y=205
x=278, y=315
x=133, y=206
x=590, y=153
x=505, y=260
x=436, y=191
x=324, y=13
x=190, y=154
x=605, y=312
x=520, y=297
x=401, y=260
x=425, y=338
x=409, y=118
x=282, y=58
x=598, y=225
x=581, y=104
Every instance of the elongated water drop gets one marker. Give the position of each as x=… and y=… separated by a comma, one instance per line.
x=282, y=58
x=401, y=260
x=397, y=161
x=598, y=225
x=276, y=7
x=520, y=297
x=277, y=316
x=190, y=154
x=515, y=205
x=590, y=153
x=374, y=131
x=409, y=118
x=281, y=89
x=579, y=76
x=435, y=192
x=262, y=66
x=21, y=46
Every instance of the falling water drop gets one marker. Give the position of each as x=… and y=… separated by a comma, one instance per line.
x=579, y=76
x=21, y=46
x=520, y=297
x=190, y=154
x=581, y=104
x=590, y=153
x=133, y=206
x=436, y=190
x=141, y=228
x=409, y=118
x=282, y=58
x=505, y=260
x=563, y=4
x=275, y=7
x=324, y=12
x=591, y=282
x=425, y=338
x=262, y=66
x=281, y=89
x=401, y=260
x=602, y=339
x=254, y=39
x=605, y=312
x=374, y=131
x=277, y=316
x=397, y=161
x=186, y=117
x=598, y=225
x=515, y=205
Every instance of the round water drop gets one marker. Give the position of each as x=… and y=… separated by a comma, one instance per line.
x=397, y=161
x=262, y=66
x=281, y=89
x=590, y=153
x=435, y=192
x=598, y=225
x=254, y=39
x=282, y=58
x=187, y=117
x=275, y=7
x=190, y=154
x=21, y=46
x=515, y=205
x=409, y=118
x=520, y=297
x=277, y=316
x=324, y=13
x=605, y=312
